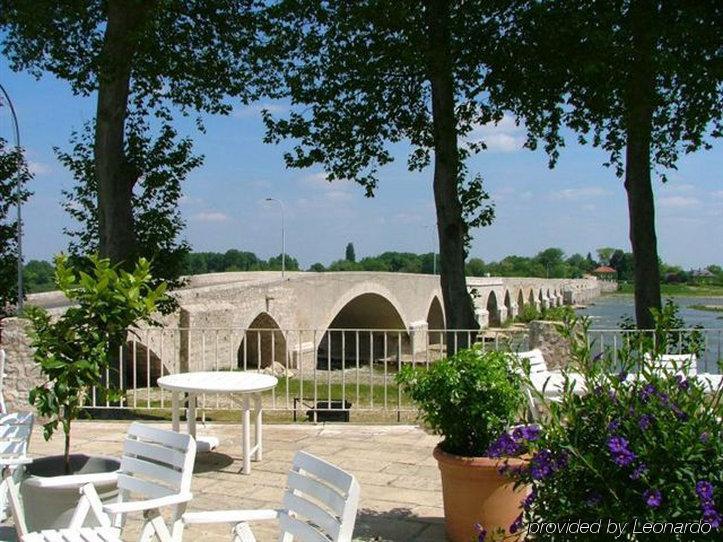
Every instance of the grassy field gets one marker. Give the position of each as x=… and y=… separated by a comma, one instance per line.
x=683, y=290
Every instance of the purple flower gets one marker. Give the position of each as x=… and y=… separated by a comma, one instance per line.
x=645, y=421
x=664, y=398
x=683, y=383
x=530, y=433
x=593, y=499
x=504, y=446
x=638, y=471
x=542, y=465
x=711, y=516
x=622, y=455
x=516, y=525
x=527, y=503
x=704, y=489
x=647, y=391
x=653, y=498
x=614, y=426
x=682, y=416
x=481, y=532
x=704, y=437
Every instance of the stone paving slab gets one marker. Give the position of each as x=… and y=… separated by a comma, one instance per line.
x=401, y=496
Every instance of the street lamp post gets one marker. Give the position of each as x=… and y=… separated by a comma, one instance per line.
x=18, y=201
x=283, y=236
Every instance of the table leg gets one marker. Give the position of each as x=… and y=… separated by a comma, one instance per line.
x=247, y=435
x=175, y=412
x=191, y=415
x=258, y=425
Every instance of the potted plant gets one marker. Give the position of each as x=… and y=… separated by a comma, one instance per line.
x=469, y=399
x=74, y=352
x=637, y=458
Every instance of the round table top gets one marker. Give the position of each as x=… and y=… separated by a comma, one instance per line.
x=218, y=382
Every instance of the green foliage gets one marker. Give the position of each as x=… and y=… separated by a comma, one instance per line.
x=14, y=173
x=38, y=276
x=73, y=350
x=349, y=254
x=161, y=164
x=552, y=314
x=317, y=267
x=197, y=263
x=467, y=398
x=636, y=446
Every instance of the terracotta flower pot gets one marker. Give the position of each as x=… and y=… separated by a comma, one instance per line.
x=475, y=492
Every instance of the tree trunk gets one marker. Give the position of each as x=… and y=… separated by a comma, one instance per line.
x=117, y=240
x=640, y=98
x=458, y=306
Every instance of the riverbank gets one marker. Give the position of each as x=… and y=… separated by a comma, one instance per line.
x=682, y=290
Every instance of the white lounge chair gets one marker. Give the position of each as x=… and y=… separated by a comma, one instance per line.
x=679, y=363
x=320, y=505
x=157, y=466
x=549, y=383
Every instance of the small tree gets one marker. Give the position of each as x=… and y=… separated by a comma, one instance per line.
x=73, y=351
x=350, y=254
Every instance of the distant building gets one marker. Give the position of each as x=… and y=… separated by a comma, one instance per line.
x=605, y=273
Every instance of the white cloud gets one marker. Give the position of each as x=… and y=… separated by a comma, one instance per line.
x=505, y=136
x=574, y=194
x=717, y=194
x=211, y=216
x=39, y=168
x=678, y=202
x=254, y=110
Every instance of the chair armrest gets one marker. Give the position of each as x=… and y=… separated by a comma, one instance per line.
x=229, y=516
x=76, y=480
x=149, y=504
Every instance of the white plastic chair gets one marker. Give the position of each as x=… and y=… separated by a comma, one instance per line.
x=15, y=432
x=157, y=466
x=320, y=505
x=680, y=363
x=549, y=383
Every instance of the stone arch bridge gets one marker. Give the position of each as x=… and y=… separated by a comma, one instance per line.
x=256, y=318
x=304, y=322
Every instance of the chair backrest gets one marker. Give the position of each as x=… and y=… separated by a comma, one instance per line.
x=15, y=432
x=685, y=363
x=155, y=463
x=536, y=359
x=320, y=503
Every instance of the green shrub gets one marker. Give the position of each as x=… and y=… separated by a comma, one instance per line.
x=467, y=398
x=73, y=351
x=642, y=445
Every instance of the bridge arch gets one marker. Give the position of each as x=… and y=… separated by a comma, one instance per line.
x=262, y=344
x=493, y=309
x=435, y=314
x=369, y=311
x=520, y=299
x=531, y=297
x=508, y=304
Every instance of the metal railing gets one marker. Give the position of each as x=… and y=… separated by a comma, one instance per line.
x=322, y=373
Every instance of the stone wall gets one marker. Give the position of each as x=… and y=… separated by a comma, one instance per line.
x=21, y=373
x=545, y=336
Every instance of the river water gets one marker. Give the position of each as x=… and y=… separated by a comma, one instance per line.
x=607, y=311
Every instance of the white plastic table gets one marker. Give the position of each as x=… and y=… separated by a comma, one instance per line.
x=246, y=384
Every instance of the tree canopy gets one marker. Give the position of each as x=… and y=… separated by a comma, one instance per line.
x=14, y=176
x=640, y=79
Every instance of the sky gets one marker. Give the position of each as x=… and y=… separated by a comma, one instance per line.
x=579, y=206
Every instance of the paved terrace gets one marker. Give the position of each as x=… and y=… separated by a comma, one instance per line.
x=401, y=497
